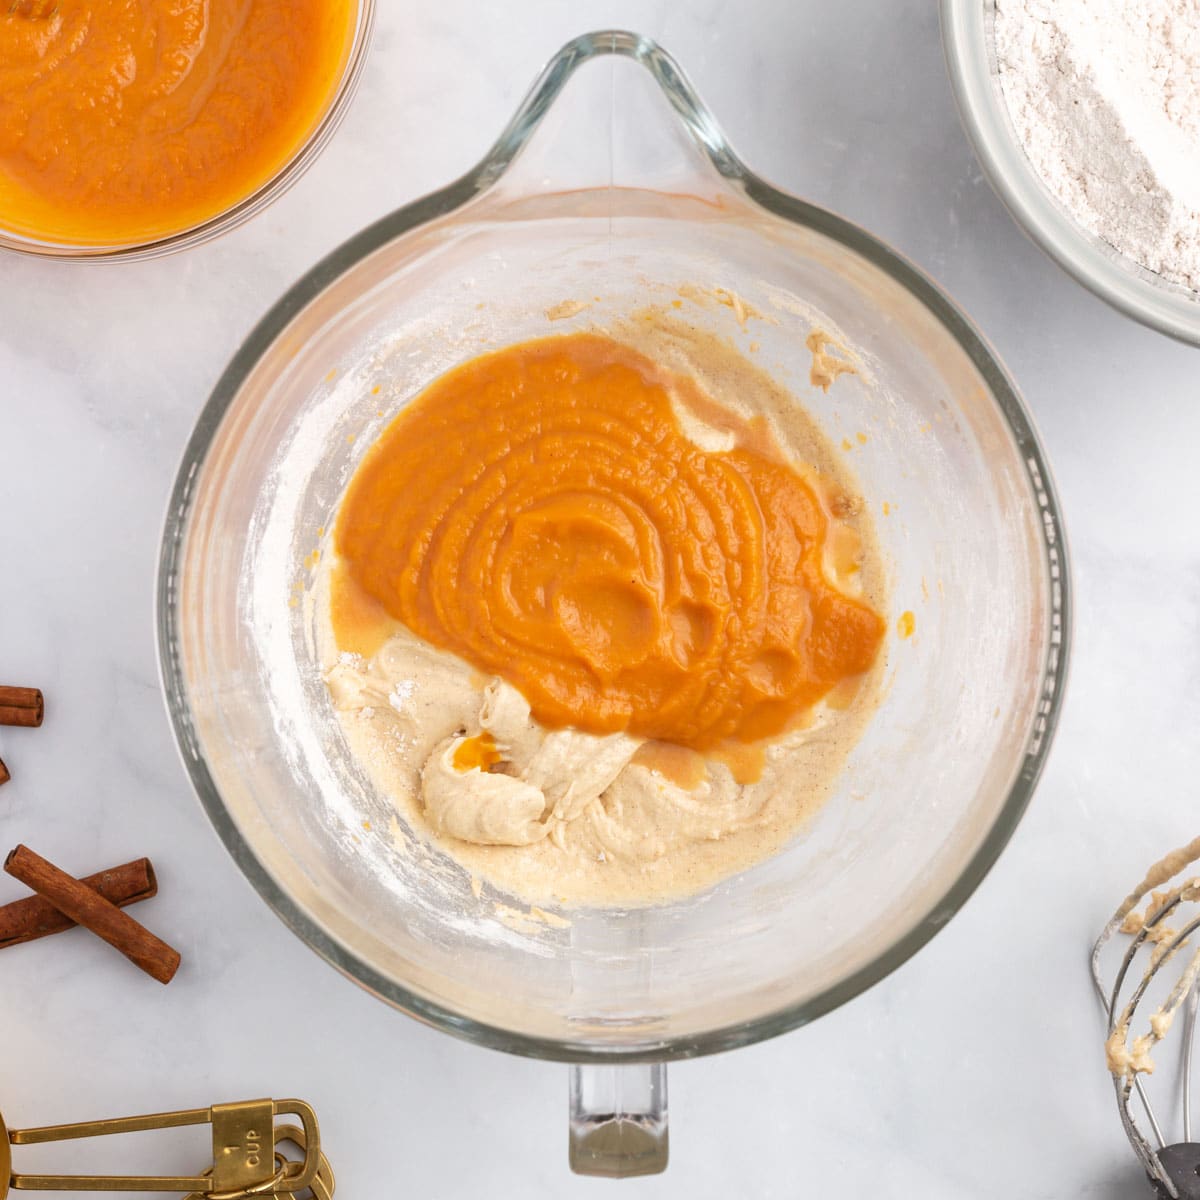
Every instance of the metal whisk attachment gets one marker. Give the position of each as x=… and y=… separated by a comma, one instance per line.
x=1156, y=980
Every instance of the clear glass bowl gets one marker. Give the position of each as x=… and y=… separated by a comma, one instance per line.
x=613, y=186
x=967, y=36
x=288, y=173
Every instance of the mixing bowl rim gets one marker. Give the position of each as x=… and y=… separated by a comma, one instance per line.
x=1104, y=271
x=709, y=139
x=288, y=173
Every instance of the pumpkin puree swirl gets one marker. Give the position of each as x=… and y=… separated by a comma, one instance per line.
x=540, y=512
x=127, y=120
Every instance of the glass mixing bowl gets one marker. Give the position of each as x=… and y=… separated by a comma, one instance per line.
x=287, y=174
x=968, y=38
x=597, y=199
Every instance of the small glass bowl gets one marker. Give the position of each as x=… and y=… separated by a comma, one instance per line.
x=249, y=206
x=968, y=28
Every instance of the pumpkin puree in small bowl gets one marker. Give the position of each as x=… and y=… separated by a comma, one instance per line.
x=123, y=122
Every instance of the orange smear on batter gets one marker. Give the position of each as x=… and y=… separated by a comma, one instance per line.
x=479, y=752
x=540, y=513
x=126, y=120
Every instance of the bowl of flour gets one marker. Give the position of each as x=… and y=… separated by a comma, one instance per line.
x=1085, y=115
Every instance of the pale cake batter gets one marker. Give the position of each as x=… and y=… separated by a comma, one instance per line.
x=564, y=816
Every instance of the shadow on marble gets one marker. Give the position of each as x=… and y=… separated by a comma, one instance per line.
x=1129, y=1183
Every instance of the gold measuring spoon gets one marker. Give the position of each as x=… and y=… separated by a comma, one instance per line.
x=246, y=1159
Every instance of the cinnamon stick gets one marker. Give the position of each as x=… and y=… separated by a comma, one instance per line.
x=21, y=706
x=4, y=775
x=91, y=910
x=32, y=918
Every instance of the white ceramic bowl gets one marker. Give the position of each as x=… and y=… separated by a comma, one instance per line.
x=967, y=35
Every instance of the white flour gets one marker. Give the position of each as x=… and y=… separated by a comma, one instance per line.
x=1105, y=96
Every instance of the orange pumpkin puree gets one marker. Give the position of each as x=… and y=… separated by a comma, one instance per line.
x=540, y=513
x=127, y=120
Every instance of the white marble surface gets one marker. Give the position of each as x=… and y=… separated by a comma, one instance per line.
x=976, y=1069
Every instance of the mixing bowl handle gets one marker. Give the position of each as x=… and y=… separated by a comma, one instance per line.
x=619, y=1119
